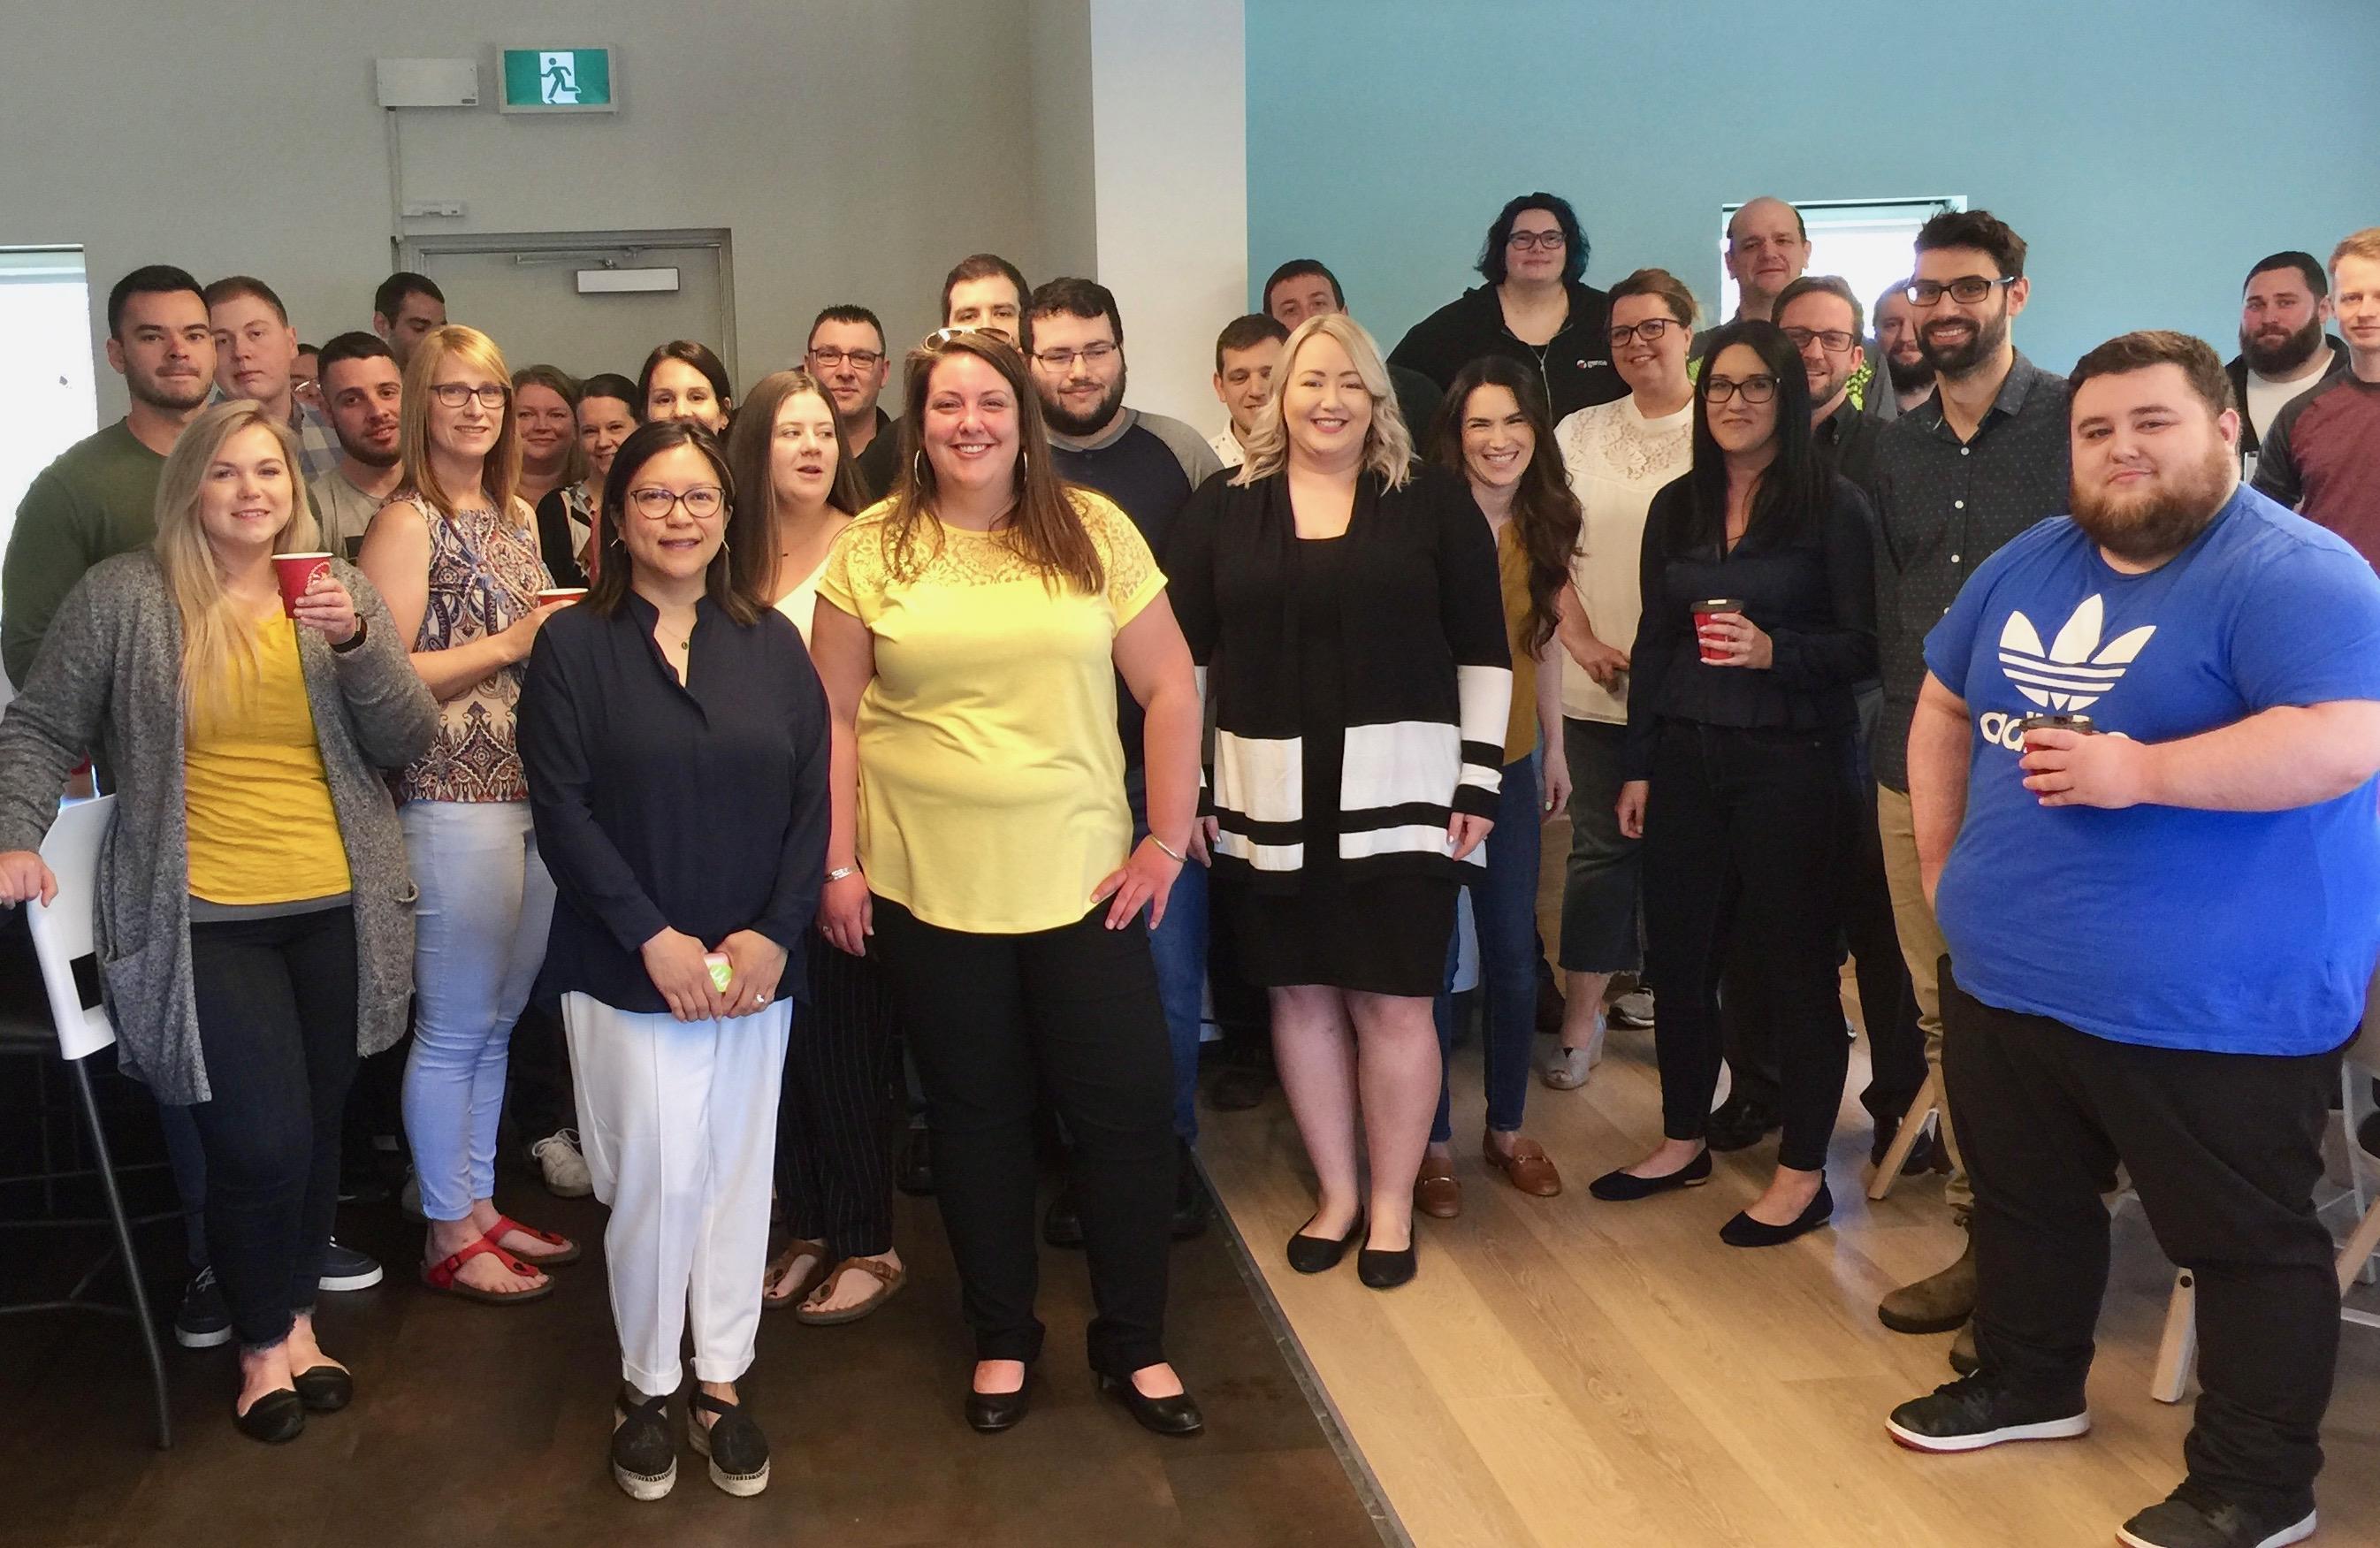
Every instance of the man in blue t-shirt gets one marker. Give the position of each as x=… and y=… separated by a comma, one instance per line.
x=2161, y=927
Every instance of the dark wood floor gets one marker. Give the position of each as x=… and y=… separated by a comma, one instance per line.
x=483, y=1425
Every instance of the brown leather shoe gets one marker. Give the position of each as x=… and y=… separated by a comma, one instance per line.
x=1938, y=1303
x=1528, y=1167
x=1436, y=1193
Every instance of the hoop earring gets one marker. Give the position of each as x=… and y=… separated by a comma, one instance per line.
x=917, y=467
x=1024, y=465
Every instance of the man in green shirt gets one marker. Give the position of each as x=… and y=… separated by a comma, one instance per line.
x=99, y=499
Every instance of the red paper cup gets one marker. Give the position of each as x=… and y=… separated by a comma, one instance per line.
x=560, y=594
x=1704, y=612
x=296, y=572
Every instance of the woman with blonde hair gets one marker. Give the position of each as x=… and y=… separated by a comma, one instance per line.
x=252, y=916
x=455, y=551
x=1360, y=703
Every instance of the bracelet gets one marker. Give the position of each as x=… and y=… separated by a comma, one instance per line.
x=1169, y=851
x=842, y=871
x=352, y=640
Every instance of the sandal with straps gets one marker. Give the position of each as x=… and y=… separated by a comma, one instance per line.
x=779, y=1265
x=441, y=1276
x=891, y=1280
x=566, y=1251
x=738, y=1451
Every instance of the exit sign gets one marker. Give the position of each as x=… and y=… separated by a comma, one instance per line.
x=558, y=80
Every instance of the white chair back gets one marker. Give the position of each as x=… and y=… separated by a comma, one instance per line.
x=65, y=932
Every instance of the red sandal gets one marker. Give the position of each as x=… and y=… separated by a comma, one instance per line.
x=441, y=1276
x=568, y=1252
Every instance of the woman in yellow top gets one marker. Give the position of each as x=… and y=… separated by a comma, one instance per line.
x=256, y=930
x=969, y=631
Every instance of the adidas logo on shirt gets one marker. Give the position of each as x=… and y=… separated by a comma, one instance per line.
x=2074, y=672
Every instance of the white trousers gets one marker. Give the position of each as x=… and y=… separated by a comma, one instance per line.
x=679, y=1124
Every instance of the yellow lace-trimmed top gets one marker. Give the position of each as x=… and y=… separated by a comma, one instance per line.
x=991, y=780
x=262, y=828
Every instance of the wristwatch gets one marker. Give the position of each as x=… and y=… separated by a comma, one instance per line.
x=352, y=640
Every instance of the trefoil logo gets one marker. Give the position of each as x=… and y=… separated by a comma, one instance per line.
x=2076, y=671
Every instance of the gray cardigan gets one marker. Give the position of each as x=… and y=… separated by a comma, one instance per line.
x=108, y=679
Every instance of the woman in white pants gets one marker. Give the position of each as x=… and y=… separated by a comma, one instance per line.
x=676, y=736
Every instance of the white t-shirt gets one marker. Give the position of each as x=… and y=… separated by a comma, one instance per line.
x=1227, y=447
x=800, y=604
x=1617, y=459
x=2267, y=397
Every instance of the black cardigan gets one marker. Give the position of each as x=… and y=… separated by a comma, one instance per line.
x=1428, y=673
x=1574, y=364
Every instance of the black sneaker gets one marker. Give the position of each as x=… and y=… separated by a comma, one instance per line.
x=344, y=1268
x=1062, y=1225
x=1740, y=1122
x=1976, y=1411
x=204, y=1320
x=2192, y=1516
x=644, y=1461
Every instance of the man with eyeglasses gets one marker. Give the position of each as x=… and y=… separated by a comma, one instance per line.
x=1982, y=459
x=846, y=355
x=1148, y=465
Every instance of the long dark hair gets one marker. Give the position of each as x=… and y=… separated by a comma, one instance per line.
x=608, y=591
x=751, y=442
x=1792, y=489
x=1044, y=527
x=1545, y=511
x=693, y=353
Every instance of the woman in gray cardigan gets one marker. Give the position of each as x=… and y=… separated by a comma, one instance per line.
x=255, y=920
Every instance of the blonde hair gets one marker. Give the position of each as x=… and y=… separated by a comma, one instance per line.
x=218, y=638
x=2364, y=244
x=1387, y=443
x=500, y=475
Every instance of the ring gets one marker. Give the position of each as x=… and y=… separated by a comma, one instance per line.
x=759, y=999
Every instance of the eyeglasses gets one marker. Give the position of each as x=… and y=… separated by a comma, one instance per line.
x=1834, y=340
x=654, y=504
x=1967, y=289
x=455, y=395
x=1650, y=331
x=1755, y=389
x=1530, y=241
x=1064, y=359
x=863, y=359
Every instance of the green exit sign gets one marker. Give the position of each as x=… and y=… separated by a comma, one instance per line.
x=558, y=80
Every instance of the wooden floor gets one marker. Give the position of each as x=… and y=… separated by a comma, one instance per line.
x=1565, y=1371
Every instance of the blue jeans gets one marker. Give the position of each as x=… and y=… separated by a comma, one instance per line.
x=1504, y=909
x=1180, y=946
x=479, y=937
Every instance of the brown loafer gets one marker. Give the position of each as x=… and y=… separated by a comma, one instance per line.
x=1436, y=1193
x=1528, y=1169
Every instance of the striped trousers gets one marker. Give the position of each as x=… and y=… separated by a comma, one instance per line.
x=834, y=1175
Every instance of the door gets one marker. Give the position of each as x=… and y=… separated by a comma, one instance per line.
x=522, y=290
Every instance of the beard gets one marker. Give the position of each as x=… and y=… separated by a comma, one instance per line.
x=2284, y=356
x=1958, y=360
x=1067, y=422
x=366, y=454
x=1908, y=376
x=175, y=396
x=2159, y=521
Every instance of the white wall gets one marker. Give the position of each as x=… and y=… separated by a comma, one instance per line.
x=1169, y=95
x=855, y=148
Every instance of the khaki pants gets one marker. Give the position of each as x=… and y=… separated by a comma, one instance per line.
x=1923, y=948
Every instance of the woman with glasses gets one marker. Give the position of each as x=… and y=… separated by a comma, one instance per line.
x=1618, y=454
x=609, y=411
x=455, y=554
x=1535, y=308
x=683, y=380
x=1759, y=615
x=677, y=744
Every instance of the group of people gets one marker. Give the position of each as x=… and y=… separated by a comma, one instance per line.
x=779, y=749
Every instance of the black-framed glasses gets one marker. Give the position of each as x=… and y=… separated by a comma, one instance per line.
x=1755, y=389
x=1092, y=355
x=864, y=360
x=1967, y=289
x=1650, y=331
x=455, y=395
x=655, y=504
x=1530, y=241
x=1834, y=340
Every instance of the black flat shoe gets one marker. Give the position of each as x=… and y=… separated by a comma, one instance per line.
x=1164, y=1416
x=988, y=1414
x=738, y=1451
x=325, y=1390
x=276, y=1417
x=1386, y=1271
x=1626, y=1187
x=1744, y=1231
x=1319, y=1254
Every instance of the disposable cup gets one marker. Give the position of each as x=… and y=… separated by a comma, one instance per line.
x=296, y=572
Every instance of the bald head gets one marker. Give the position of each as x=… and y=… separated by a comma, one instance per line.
x=1767, y=248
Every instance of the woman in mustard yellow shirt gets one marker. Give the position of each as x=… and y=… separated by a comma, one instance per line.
x=970, y=631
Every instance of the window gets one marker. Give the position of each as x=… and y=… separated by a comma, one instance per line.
x=47, y=397
x=1868, y=242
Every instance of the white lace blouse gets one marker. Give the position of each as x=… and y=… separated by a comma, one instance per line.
x=1617, y=459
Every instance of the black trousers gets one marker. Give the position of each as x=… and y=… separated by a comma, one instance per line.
x=537, y=1092
x=835, y=1172
x=993, y=1021
x=1745, y=838
x=276, y=1008
x=2224, y=1150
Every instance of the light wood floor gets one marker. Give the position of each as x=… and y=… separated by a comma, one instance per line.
x=1569, y=1373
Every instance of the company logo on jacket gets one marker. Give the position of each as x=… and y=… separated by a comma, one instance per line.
x=2074, y=672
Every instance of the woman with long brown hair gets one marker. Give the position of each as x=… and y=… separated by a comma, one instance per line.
x=1492, y=427
x=252, y=912
x=970, y=631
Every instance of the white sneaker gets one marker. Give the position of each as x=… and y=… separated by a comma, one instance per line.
x=565, y=1172
x=1633, y=1009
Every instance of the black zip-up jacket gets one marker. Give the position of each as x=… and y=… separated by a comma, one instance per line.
x=1575, y=365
